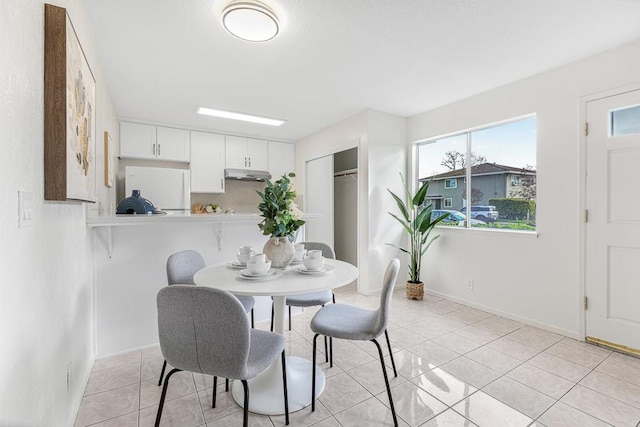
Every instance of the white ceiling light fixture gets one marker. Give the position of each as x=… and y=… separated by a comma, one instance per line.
x=240, y=116
x=250, y=21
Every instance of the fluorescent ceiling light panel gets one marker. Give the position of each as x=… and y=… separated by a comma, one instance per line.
x=239, y=116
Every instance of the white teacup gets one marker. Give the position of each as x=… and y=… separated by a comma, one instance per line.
x=313, y=260
x=244, y=254
x=258, y=263
x=299, y=252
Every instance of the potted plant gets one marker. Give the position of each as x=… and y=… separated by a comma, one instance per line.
x=282, y=219
x=417, y=222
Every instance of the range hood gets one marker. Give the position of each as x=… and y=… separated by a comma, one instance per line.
x=246, y=174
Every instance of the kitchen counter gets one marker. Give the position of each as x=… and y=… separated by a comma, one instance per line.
x=170, y=218
x=131, y=252
x=178, y=218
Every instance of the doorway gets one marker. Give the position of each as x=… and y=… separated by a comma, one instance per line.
x=332, y=190
x=613, y=228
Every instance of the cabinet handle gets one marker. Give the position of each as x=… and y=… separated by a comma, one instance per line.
x=249, y=161
x=245, y=162
x=222, y=183
x=154, y=149
x=158, y=149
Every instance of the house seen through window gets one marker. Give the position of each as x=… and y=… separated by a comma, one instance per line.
x=484, y=177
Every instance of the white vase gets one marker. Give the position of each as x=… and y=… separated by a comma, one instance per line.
x=280, y=251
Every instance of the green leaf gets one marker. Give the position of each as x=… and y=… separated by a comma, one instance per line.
x=404, y=223
x=401, y=206
x=420, y=195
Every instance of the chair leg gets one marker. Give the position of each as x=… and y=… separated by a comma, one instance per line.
x=313, y=375
x=272, y=314
x=289, y=317
x=284, y=384
x=164, y=366
x=245, y=413
x=386, y=382
x=226, y=384
x=253, y=325
x=164, y=395
x=215, y=387
x=393, y=363
x=331, y=352
x=334, y=297
x=326, y=350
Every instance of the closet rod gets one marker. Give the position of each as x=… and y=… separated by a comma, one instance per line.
x=346, y=173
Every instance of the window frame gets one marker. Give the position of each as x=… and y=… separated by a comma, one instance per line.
x=453, y=180
x=466, y=181
x=444, y=202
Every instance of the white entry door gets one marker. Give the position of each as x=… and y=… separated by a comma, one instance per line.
x=319, y=200
x=613, y=227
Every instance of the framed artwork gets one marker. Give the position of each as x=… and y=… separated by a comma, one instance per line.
x=108, y=159
x=69, y=113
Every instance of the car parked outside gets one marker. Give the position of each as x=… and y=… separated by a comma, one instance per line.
x=453, y=217
x=482, y=213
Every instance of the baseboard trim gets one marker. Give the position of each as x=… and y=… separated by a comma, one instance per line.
x=512, y=316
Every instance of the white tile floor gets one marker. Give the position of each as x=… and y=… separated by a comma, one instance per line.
x=457, y=366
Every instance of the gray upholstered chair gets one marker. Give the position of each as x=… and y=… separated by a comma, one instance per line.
x=230, y=349
x=181, y=267
x=314, y=298
x=354, y=323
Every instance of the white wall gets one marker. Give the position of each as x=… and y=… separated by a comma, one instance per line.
x=534, y=279
x=46, y=271
x=381, y=140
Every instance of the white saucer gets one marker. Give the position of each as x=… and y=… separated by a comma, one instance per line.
x=304, y=270
x=236, y=264
x=295, y=262
x=246, y=274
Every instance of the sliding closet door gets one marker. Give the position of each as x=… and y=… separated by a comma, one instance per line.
x=318, y=198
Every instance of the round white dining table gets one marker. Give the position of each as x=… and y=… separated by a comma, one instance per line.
x=265, y=390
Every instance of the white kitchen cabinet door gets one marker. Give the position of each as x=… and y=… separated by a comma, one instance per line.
x=258, y=154
x=247, y=153
x=137, y=141
x=207, y=162
x=236, y=152
x=172, y=144
x=281, y=159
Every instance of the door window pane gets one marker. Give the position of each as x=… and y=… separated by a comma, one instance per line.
x=625, y=121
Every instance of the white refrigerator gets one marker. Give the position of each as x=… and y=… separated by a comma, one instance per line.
x=167, y=189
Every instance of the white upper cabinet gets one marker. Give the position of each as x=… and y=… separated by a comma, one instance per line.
x=172, y=144
x=281, y=159
x=247, y=153
x=140, y=141
x=137, y=141
x=207, y=162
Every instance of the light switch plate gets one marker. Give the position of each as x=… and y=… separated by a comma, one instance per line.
x=25, y=208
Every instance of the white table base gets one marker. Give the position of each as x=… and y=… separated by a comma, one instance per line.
x=266, y=395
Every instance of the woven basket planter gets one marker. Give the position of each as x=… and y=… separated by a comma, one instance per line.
x=415, y=290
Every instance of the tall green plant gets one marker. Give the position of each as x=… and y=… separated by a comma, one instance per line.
x=416, y=221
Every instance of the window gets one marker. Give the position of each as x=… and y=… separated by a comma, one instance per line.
x=500, y=180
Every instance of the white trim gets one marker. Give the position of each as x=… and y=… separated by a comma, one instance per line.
x=511, y=316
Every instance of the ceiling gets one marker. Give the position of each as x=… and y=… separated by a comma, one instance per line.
x=334, y=58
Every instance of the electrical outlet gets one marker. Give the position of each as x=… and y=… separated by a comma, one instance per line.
x=470, y=284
